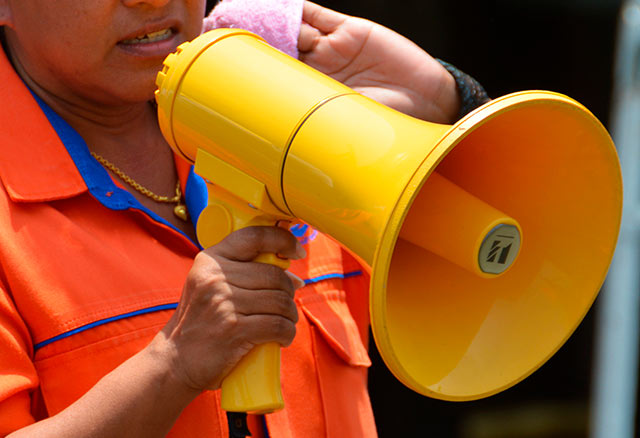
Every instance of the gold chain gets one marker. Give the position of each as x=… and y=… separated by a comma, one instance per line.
x=179, y=210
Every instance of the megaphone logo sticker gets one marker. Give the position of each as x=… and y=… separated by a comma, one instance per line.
x=499, y=249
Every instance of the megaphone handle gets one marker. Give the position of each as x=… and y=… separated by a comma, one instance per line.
x=254, y=384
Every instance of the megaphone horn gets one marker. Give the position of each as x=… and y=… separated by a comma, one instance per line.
x=487, y=241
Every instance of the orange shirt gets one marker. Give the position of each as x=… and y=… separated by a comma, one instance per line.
x=88, y=276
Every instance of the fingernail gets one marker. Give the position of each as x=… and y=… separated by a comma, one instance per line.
x=297, y=281
x=300, y=251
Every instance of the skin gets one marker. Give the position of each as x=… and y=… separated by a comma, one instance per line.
x=71, y=54
x=378, y=63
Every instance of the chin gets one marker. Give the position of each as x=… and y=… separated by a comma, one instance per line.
x=136, y=91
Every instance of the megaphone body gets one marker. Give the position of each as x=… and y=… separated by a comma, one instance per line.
x=487, y=241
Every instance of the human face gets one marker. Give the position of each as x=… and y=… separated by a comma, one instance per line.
x=86, y=51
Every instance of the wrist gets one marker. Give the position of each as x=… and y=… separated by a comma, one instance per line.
x=449, y=100
x=162, y=358
x=470, y=93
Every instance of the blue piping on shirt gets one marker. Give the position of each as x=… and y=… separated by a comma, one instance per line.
x=161, y=307
x=105, y=321
x=329, y=276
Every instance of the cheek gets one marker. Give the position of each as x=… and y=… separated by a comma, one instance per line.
x=64, y=28
x=195, y=10
x=72, y=53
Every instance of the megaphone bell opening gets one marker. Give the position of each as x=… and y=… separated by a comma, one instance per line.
x=450, y=332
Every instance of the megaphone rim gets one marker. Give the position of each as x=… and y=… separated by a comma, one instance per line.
x=390, y=234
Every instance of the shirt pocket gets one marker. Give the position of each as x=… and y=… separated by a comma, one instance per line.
x=329, y=312
x=342, y=377
x=71, y=366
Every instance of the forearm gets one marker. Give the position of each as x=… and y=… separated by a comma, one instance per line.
x=140, y=398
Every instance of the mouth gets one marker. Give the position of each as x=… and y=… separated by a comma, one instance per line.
x=151, y=37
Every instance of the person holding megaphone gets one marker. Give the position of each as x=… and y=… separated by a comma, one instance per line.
x=113, y=321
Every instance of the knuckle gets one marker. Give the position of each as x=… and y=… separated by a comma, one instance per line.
x=194, y=285
x=204, y=286
x=284, y=304
x=275, y=277
x=204, y=272
x=205, y=258
x=231, y=322
x=267, y=276
x=221, y=299
x=288, y=333
x=209, y=293
x=281, y=326
x=256, y=235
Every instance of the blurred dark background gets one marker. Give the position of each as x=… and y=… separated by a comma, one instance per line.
x=559, y=45
x=507, y=45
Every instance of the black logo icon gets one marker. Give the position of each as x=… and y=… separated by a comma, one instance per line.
x=500, y=251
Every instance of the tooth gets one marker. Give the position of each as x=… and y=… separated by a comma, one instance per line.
x=153, y=34
x=149, y=37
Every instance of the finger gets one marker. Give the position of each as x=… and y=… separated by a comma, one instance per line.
x=247, y=243
x=308, y=38
x=260, y=329
x=323, y=19
x=297, y=282
x=265, y=302
x=259, y=276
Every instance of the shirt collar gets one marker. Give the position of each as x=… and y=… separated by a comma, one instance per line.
x=42, y=158
x=34, y=163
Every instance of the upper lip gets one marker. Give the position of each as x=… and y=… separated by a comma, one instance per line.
x=152, y=27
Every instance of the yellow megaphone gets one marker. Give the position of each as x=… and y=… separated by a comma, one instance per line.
x=487, y=241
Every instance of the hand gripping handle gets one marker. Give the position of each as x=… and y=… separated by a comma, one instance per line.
x=254, y=384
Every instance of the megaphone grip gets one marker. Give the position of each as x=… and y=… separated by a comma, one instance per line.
x=254, y=384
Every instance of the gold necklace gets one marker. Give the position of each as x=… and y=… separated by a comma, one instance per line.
x=180, y=210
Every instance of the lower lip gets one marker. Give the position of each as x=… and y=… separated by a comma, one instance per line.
x=155, y=49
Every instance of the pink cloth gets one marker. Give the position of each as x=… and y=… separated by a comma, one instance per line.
x=277, y=21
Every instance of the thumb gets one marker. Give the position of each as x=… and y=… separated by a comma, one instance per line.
x=308, y=38
x=323, y=19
